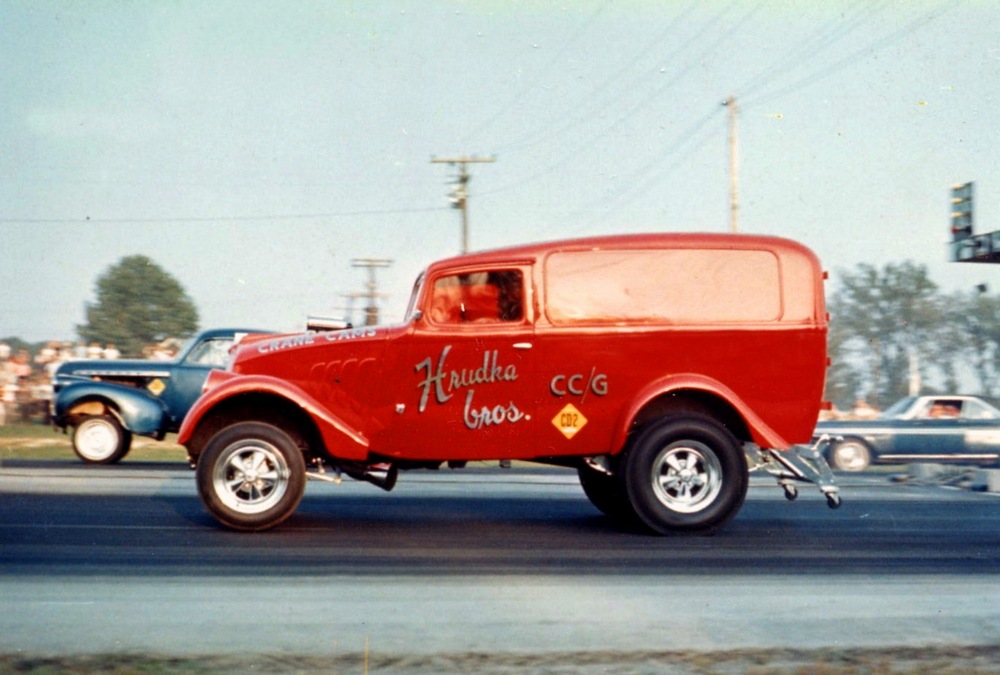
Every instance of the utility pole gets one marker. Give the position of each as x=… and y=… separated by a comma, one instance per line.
x=350, y=298
x=460, y=193
x=371, y=294
x=734, y=164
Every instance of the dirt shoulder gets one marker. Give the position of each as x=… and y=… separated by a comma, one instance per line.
x=41, y=442
x=938, y=659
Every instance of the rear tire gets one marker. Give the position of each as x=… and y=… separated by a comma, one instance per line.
x=607, y=494
x=101, y=439
x=685, y=473
x=251, y=476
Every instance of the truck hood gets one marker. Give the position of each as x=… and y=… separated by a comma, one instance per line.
x=121, y=368
x=282, y=348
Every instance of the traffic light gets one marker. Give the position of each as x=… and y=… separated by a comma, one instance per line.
x=458, y=193
x=961, y=212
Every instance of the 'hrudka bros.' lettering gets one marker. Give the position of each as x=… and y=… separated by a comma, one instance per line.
x=445, y=383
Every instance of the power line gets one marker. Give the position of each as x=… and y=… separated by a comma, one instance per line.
x=811, y=46
x=529, y=85
x=589, y=104
x=652, y=172
x=840, y=64
x=88, y=220
x=583, y=143
x=634, y=182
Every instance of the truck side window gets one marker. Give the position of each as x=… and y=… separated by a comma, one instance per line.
x=686, y=286
x=495, y=296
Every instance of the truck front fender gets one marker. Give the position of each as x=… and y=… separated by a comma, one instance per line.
x=338, y=437
x=138, y=410
x=761, y=433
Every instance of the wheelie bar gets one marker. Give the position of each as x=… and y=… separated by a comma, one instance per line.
x=799, y=463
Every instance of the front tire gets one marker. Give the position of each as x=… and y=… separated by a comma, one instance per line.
x=101, y=439
x=685, y=473
x=850, y=454
x=251, y=476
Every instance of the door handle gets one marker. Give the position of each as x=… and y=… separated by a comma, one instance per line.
x=522, y=345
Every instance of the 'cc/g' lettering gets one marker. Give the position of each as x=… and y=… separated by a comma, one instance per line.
x=597, y=383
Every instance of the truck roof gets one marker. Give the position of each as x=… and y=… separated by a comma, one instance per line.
x=530, y=252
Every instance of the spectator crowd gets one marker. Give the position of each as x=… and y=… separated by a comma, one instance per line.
x=26, y=381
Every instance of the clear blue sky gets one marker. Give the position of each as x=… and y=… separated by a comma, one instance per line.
x=254, y=149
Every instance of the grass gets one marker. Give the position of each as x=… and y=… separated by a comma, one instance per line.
x=41, y=442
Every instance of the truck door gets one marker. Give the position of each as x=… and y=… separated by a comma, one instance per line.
x=469, y=369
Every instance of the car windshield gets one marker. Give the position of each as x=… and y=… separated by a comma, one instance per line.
x=411, y=308
x=186, y=347
x=214, y=352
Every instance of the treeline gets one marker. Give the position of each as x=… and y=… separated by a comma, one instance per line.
x=893, y=331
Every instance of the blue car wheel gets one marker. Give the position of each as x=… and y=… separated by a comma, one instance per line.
x=100, y=439
x=850, y=454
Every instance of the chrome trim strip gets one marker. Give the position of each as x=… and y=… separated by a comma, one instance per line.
x=984, y=455
x=123, y=373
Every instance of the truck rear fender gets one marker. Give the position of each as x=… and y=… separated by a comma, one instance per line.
x=138, y=411
x=696, y=393
x=268, y=399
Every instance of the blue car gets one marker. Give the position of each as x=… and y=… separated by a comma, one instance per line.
x=940, y=429
x=105, y=403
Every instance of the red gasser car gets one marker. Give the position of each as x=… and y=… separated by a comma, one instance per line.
x=662, y=368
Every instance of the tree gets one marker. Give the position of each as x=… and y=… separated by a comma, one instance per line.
x=138, y=304
x=975, y=318
x=892, y=323
x=843, y=381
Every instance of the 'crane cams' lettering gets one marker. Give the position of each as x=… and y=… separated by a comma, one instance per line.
x=305, y=339
x=445, y=382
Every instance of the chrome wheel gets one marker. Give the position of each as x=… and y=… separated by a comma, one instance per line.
x=687, y=477
x=100, y=439
x=250, y=476
x=684, y=472
x=850, y=455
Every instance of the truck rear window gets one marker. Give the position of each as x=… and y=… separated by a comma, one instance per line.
x=689, y=286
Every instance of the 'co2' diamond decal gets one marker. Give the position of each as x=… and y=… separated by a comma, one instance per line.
x=569, y=421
